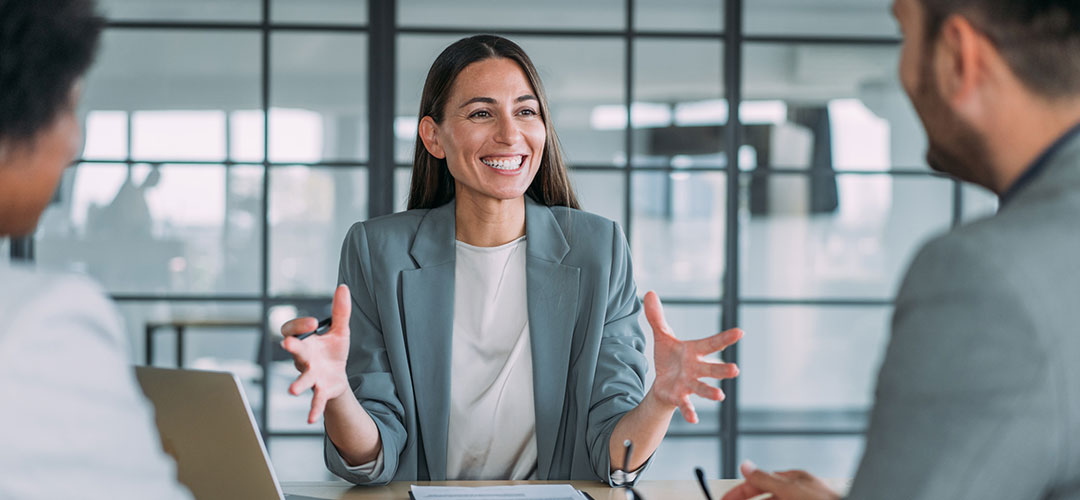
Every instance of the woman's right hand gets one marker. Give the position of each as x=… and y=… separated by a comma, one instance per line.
x=321, y=358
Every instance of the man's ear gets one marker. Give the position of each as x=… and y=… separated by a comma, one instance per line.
x=429, y=133
x=961, y=60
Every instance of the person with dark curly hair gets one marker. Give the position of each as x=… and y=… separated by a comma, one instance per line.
x=74, y=423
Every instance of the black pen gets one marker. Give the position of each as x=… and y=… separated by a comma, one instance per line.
x=321, y=328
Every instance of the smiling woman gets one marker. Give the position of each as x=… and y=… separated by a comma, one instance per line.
x=490, y=331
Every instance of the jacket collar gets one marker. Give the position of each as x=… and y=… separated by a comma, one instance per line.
x=435, y=237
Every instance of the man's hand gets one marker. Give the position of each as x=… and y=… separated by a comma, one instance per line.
x=785, y=485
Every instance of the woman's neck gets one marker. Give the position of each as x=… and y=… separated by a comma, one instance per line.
x=488, y=222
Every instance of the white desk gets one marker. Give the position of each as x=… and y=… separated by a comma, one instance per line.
x=651, y=490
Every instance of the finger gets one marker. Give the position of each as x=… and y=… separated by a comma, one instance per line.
x=744, y=491
x=763, y=480
x=341, y=310
x=294, y=346
x=708, y=391
x=687, y=410
x=302, y=383
x=717, y=370
x=654, y=312
x=795, y=475
x=298, y=326
x=318, y=405
x=718, y=342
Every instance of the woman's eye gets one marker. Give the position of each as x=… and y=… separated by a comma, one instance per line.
x=480, y=114
x=528, y=112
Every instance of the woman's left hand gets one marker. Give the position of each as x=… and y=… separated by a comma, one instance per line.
x=680, y=364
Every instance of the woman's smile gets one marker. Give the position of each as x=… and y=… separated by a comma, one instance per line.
x=506, y=164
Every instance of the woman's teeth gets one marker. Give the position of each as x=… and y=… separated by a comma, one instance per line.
x=510, y=163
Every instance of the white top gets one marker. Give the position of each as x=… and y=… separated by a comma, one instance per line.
x=492, y=432
x=74, y=424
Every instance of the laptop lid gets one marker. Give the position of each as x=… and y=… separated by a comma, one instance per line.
x=206, y=424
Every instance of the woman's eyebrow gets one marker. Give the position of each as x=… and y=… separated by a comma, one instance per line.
x=488, y=100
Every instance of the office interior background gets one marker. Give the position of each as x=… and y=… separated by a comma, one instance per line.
x=769, y=174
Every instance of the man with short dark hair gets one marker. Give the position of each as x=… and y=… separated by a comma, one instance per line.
x=73, y=424
x=979, y=393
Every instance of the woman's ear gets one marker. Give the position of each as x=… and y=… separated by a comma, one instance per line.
x=429, y=133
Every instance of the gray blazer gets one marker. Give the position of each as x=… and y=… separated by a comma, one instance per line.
x=979, y=393
x=587, y=347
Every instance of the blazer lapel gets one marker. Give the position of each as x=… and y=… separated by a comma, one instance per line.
x=428, y=302
x=552, y=291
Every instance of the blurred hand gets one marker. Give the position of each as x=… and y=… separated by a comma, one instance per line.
x=680, y=364
x=785, y=485
x=321, y=358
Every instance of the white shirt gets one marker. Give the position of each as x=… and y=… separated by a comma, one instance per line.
x=74, y=422
x=492, y=432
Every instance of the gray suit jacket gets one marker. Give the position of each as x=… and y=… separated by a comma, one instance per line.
x=587, y=347
x=979, y=393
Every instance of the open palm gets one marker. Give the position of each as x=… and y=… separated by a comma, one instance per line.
x=681, y=364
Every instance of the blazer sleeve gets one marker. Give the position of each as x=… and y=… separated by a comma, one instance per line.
x=368, y=367
x=965, y=403
x=621, y=365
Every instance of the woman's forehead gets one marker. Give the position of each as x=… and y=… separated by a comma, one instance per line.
x=495, y=78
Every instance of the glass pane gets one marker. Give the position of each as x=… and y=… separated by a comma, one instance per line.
x=299, y=459
x=137, y=230
x=844, y=236
x=827, y=107
x=188, y=10
x=679, y=15
x=216, y=336
x=402, y=180
x=679, y=109
x=677, y=233
x=676, y=458
x=490, y=16
x=979, y=202
x=584, y=82
x=311, y=209
x=106, y=136
x=689, y=323
x=830, y=457
x=178, y=86
x=820, y=17
x=289, y=413
x=602, y=193
x=800, y=362
x=319, y=11
x=318, y=95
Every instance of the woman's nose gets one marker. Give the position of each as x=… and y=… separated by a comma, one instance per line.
x=507, y=131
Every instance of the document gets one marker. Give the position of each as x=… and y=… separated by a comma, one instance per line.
x=517, y=492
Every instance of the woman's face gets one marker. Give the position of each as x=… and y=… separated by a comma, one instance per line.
x=492, y=135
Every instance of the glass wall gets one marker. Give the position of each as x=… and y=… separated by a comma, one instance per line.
x=760, y=155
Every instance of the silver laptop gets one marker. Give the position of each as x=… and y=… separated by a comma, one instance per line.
x=206, y=425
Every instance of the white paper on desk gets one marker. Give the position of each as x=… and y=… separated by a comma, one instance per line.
x=518, y=492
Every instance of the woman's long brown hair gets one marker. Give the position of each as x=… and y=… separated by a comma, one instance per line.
x=432, y=185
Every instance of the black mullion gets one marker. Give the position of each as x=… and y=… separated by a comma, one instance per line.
x=825, y=302
x=264, y=357
x=134, y=297
x=822, y=40
x=732, y=64
x=381, y=80
x=958, y=203
x=807, y=432
x=628, y=135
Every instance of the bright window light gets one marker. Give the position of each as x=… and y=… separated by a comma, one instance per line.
x=296, y=135
x=178, y=135
x=106, y=135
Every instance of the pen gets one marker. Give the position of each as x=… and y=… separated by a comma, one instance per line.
x=321, y=328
